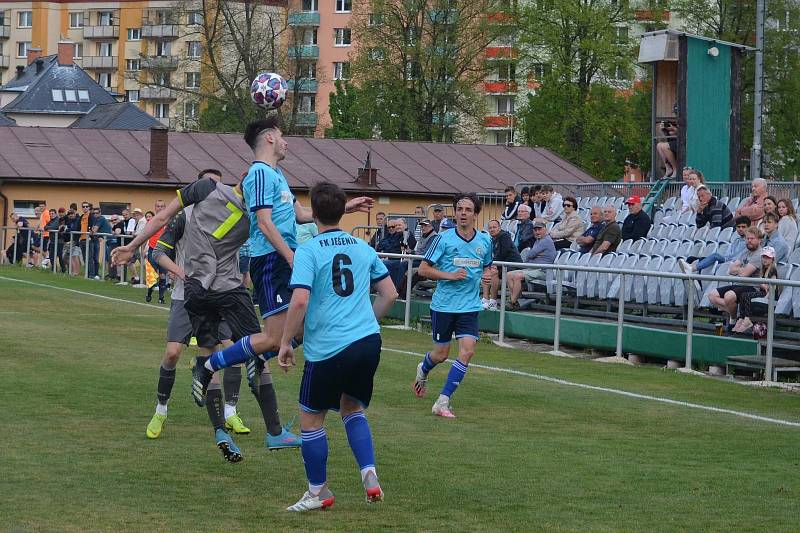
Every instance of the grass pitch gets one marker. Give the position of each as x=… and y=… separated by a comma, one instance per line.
x=79, y=375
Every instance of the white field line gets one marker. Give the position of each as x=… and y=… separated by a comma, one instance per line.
x=539, y=377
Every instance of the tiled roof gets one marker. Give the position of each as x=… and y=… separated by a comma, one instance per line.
x=116, y=116
x=122, y=157
x=5, y=121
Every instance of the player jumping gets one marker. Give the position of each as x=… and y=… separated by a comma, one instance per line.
x=457, y=259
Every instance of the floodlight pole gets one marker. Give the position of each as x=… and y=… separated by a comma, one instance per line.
x=755, y=152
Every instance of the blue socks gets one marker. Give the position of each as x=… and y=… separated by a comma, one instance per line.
x=238, y=353
x=314, y=447
x=454, y=377
x=427, y=363
x=360, y=439
x=266, y=356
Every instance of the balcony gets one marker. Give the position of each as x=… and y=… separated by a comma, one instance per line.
x=5, y=31
x=166, y=121
x=156, y=93
x=306, y=51
x=159, y=62
x=648, y=15
x=101, y=32
x=306, y=86
x=304, y=18
x=159, y=31
x=5, y=61
x=501, y=122
x=501, y=52
x=500, y=87
x=100, y=62
x=306, y=118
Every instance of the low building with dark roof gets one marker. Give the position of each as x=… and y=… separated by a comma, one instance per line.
x=5, y=121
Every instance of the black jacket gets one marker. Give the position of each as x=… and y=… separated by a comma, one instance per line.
x=503, y=248
x=636, y=226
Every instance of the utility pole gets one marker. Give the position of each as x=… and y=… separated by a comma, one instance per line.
x=755, y=153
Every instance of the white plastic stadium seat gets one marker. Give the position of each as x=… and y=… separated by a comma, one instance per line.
x=670, y=203
x=629, y=264
x=625, y=246
x=666, y=289
x=562, y=259
x=671, y=250
x=654, y=282
x=733, y=203
x=593, y=278
x=700, y=233
x=794, y=257
x=713, y=234
x=721, y=270
x=725, y=235
x=582, y=277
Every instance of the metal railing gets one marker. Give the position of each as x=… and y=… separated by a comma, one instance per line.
x=559, y=274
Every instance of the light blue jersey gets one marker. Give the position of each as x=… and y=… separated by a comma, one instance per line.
x=338, y=270
x=448, y=253
x=266, y=188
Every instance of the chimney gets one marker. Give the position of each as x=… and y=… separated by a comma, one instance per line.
x=66, y=51
x=159, y=148
x=367, y=176
x=39, y=65
x=34, y=54
x=20, y=71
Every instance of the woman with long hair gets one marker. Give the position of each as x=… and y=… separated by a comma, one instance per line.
x=768, y=270
x=787, y=225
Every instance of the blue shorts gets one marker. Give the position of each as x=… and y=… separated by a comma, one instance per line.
x=349, y=372
x=444, y=324
x=271, y=274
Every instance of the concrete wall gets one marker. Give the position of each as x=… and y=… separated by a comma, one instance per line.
x=43, y=120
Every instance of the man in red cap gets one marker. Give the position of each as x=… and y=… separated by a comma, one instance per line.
x=637, y=224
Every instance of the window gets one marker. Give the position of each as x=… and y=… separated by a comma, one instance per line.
x=502, y=137
x=344, y=6
x=506, y=72
x=376, y=54
x=310, y=36
x=78, y=53
x=540, y=70
x=620, y=73
x=193, y=49
x=308, y=104
x=25, y=19
x=309, y=71
x=22, y=48
x=83, y=95
x=622, y=34
x=76, y=20
x=27, y=208
x=342, y=36
x=163, y=48
x=505, y=105
x=191, y=110
x=133, y=65
x=132, y=96
x=163, y=17
x=162, y=78
x=58, y=95
x=341, y=70
x=411, y=36
x=192, y=80
x=134, y=34
x=376, y=19
x=195, y=18
x=161, y=110
x=411, y=70
x=70, y=95
x=104, y=49
x=310, y=5
x=104, y=80
x=105, y=18
x=112, y=208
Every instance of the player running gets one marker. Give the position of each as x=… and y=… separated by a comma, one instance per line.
x=458, y=259
x=213, y=288
x=331, y=279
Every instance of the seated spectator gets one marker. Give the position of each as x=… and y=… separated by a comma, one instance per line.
x=438, y=218
x=768, y=270
x=552, y=206
x=503, y=249
x=380, y=233
x=637, y=224
x=536, y=201
x=668, y=148
x=15, y=255
x=610, y=236
x=586, y=240
x=726, y=298
x=392, y=241
x=407, y=240
x=770, y=207
x=753, y=207
x=512, y=203
x=525, y=195
x=427, y=233
x=543, y=252
x=525, y=234
x=736, y=247
x=711, y=211
x=571, y=226
x=773, y=238
x=787, y=225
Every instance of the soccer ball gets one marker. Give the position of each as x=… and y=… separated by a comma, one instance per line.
x=268, y=90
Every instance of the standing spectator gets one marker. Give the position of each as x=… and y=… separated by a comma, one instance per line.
x=56, y=243
x=88, y=224
x=44, y=220
x=543, y=252
x=20, y=238
x=571, y=226
x=725, y=298
x=773, y=238
x=407, y=240
x=637, y=224
x=71, y=229
x=102, y=225
x=133, y=222
x=119, y=228
x=586, y=240
x=711, y=211
x=768, y=270
x=753, y=207
x=525, y=234
x=503, y=249
x=737, y=246
x=608, y=239
x=787, y=225
x=438, y=217
x=553, y=205
x=512, y=204
x=380, y=233
x=419, y=214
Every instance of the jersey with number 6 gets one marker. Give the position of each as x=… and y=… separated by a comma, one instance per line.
x=338, y=269
x=214, y=233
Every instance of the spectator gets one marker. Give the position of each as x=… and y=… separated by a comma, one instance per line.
x=770, y=207
x=512, y=204
x=711, y=211
x=503, y=249
x=689, y=189
x=88, y=225
x=71, y=228
x=773, y=238
x=20, y=238
x=119, y=228
x=536, y=202
x=133, y=222
x=525, y=234
x=407, y=240
x=552, y=207
x=725, y=298
x=668, y=148
x=608, y=239
x=543, y=252
x=392, y=242
x=586, y=240
x=380, y=233
x=753, y=207
x=787, y=225
x=637, y=224
x=525, y=195
x=102, y=225
x=737, y=246
x=768, y=270
x=419, y=214
x=427, y=233
x=56, y=244
x=438, y=218
x=571, y=226
x=44, y=219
